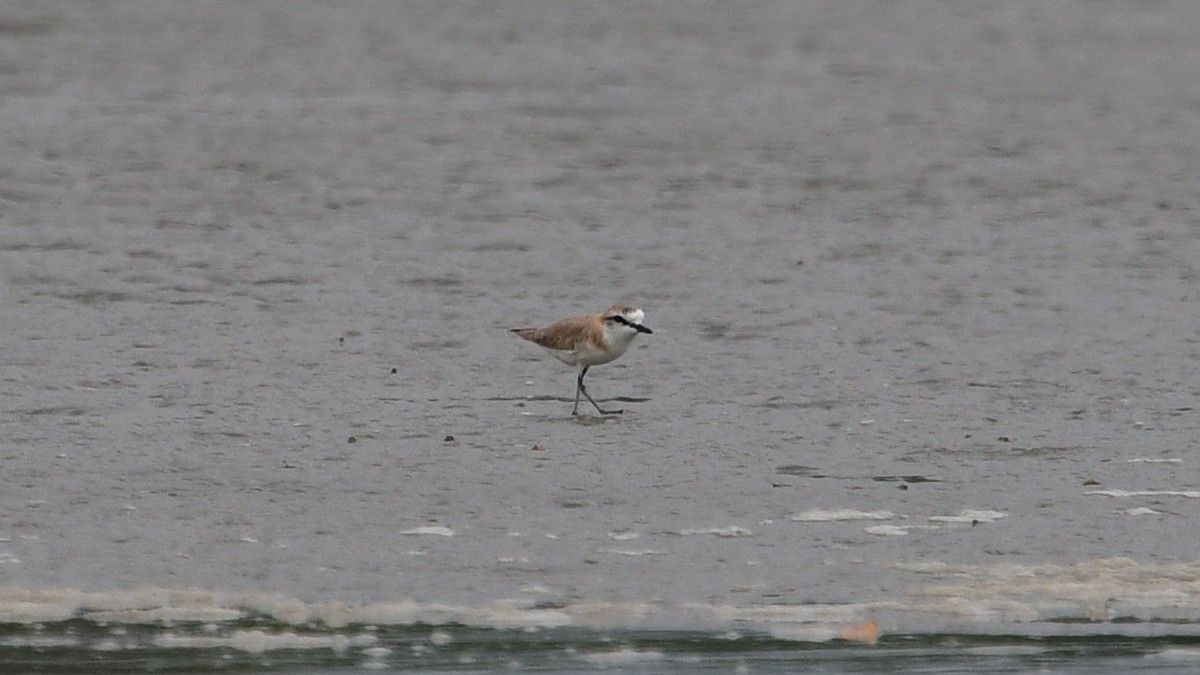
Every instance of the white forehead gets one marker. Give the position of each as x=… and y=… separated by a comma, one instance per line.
x=634, y=315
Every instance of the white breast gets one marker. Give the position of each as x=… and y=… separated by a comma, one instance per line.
x=617, y=339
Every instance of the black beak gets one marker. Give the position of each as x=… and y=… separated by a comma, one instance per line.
x=626, y=322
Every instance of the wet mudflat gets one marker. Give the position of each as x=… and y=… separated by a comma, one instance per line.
x=923, y=282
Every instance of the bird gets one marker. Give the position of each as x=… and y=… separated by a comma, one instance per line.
x=589, y=340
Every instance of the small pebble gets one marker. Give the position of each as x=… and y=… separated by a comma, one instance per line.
x=352, y=440
x=448, y=438
x=538, y=447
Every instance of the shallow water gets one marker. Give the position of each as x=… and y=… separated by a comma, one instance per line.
x=923, y=284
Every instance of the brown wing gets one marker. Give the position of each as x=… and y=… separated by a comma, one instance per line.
x=564, y=335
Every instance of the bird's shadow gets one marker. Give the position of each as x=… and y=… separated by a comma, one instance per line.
x=563, y=399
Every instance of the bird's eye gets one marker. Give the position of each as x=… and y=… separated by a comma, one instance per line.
x=619, y=319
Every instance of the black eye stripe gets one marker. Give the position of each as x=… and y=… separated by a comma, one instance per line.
x=620, y=319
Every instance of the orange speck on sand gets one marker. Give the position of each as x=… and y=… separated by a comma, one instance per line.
x=866, y=633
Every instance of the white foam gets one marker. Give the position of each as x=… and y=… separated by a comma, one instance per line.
x=39, y=641
x=1034, y=598
x=1190, y=494
x=622, y=657
x=162, y=615
x=727, y=532
x=1155, y=460
x=931, y=567
x=1175, y=655
x=827, y=515
x=805, y=633
x=255, y=641
x=1142, y=511
x=888, y=530
x=1096, y=591
x=436, y=530
x=970, y=516
x=217, y=612
x=38, y=610
x=500, y=615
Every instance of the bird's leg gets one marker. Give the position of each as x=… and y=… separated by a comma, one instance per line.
x=579, y=387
